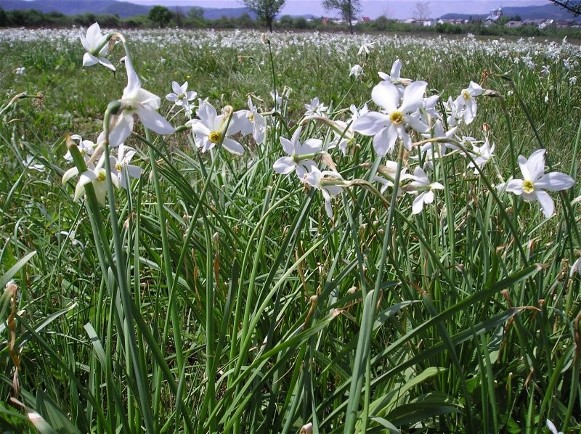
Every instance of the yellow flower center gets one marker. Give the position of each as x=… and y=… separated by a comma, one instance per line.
x=396, y=117
x=528, y=186
x=215, y=136
x=101, y=176
x=250, y=116
x=466, y=94
x=118, y=166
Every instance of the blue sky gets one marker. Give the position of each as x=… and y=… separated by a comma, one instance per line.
x=371, y=8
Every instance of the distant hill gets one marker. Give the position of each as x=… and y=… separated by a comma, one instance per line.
x=549, y=11
x=120, y=8
x=77, y=7
x=214, y=14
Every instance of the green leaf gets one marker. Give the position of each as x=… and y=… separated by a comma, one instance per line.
x=97, y=346
x=409, y=414
x=14, y=269
x=57, y=420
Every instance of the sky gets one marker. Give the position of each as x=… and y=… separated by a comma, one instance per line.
x=371, y=8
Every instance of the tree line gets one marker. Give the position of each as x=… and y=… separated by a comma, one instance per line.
x=265, y=14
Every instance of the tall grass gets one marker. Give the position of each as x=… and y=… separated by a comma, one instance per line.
x=217, y=296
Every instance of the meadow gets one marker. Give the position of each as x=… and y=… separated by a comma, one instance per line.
x=335, y=234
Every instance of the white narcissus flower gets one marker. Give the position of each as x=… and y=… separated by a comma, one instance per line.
x=121, y=167
x=366, y=48
x=343, y=135
x=30, y=164
x=437, y=149
x=343, y=131
x=277, y=99
x=466, y=102
x=181, y=96
x=140, y=102
x=71, y=236
x=86, y=148
x=536, y=183
x=394, y=75
x=389, y=124
x=356, y=71
x=252, y=122
x=423, y=188
x=316, y=108
x=300, y=155
x=97, y=176
x=388, y=173
x=91, y=42
x=454, y=112
x=329, y=182
x=212, y=129
x=480, y=156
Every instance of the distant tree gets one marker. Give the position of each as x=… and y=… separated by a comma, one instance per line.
x=196, y=17
x=108, y=20
x=196, y=13
x=244, y=21
x=160, y=16
x=178, y=16
x=300, y=23
x=421, y=11
x=265, y=10
x=573, y=6
x=381, y=23
x=28, y=17
x=286, y=21
x=349, y=9
x=3, y=18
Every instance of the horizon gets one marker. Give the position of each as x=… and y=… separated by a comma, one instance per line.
x=400, y=9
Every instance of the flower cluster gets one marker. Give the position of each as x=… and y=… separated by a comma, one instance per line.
x=404, y=118
x=135, y=102
x=121, y=169
x=407, y=117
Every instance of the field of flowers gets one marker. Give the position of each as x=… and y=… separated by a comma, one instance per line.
x=238, y=232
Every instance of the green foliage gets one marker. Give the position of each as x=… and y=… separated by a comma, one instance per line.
x=3, y=18
x=348, y=9
x=216, y=296
x=265, y=10
x=160, y=16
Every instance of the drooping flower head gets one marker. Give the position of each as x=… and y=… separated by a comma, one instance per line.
x=139, y=102
x=251, y=122
x=423, y=188
x=96, y=47
x=481, y=155
x=395, y=77
x=434, y=150
x=86, y=148
x=329, y=182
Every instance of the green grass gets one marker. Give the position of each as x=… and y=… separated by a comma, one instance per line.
x=217, y=296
